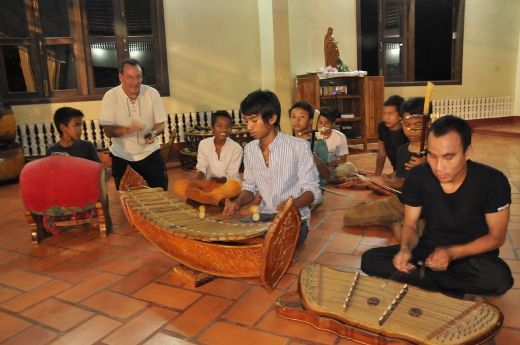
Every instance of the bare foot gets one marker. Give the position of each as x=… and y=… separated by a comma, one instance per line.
x=475, y=298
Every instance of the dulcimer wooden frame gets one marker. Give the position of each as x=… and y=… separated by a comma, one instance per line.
x=372, y=310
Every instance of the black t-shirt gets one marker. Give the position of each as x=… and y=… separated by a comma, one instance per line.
x=459, y=217
x=392, y=141
x=79, y=148
x=403, y=157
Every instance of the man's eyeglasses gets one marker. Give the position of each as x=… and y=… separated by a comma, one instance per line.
x=132, y=79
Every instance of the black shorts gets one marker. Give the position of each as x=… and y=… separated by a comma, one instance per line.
x=152, y=169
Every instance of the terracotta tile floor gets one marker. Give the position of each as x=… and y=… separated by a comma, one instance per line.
x=75, y=288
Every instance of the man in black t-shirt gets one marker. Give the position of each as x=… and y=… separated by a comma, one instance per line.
x=466, y=207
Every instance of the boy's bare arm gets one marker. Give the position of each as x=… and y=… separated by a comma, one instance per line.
x=303, y=200
x=233, y=206
x=394, y=182
x=381, y=158
x=409, y=239
x=341, y=159
x=323, y=169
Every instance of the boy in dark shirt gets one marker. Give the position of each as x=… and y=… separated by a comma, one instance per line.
x=390, y=133
x=390, y=211
x=68, y=122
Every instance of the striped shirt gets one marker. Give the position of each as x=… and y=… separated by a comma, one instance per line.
x=291, y=172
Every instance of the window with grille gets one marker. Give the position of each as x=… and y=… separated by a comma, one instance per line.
x=70, y=50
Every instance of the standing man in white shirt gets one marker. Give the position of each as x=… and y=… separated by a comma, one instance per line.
x=132, y=115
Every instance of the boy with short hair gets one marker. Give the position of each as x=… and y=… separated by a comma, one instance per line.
x=390, y=211
x=68, y=122
x=277, y=166
x=340, y=169
x=218, y=163
x=390, y=133
x=302, y=115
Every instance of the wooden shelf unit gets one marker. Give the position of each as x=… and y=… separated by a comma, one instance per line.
x=364, y=98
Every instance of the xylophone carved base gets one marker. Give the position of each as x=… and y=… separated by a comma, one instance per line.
x=192, y=277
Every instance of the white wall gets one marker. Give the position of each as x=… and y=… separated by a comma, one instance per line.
x=213, y=53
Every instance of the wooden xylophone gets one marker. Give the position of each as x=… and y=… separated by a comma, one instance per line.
x=214, y=245
x=178, y=219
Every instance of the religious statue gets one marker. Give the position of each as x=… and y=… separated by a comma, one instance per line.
x=331, y=49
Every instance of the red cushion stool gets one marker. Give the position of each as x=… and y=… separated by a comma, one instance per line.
x=60, y=191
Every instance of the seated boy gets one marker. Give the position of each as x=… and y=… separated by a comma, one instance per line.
x=68, y=122
x=218, y=162
x=390, y=211
x=336, y=141
x=302, y=114
x=277, y=165
x=390, y=133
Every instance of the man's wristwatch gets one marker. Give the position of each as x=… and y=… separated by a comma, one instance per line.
x=154, y=133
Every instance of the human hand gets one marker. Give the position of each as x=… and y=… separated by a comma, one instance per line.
x=439, y=260
x=377, y=189
x=196, y=175
x=281, y=206
x=414, y=161
x=204, y=185
x=317, y=159
x=150, y=137
x=230, y=208
x=401, y=261
x=135, y=126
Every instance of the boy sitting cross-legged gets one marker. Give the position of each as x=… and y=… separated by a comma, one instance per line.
x=390, y=211
x=390, y=133
x=218, y=162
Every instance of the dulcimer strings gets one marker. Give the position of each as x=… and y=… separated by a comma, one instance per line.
x=364, y=291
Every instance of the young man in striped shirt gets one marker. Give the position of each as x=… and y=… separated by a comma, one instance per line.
x=276, y=165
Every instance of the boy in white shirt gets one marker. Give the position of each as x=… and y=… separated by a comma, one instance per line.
x=218, y=161
x=336, y=141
